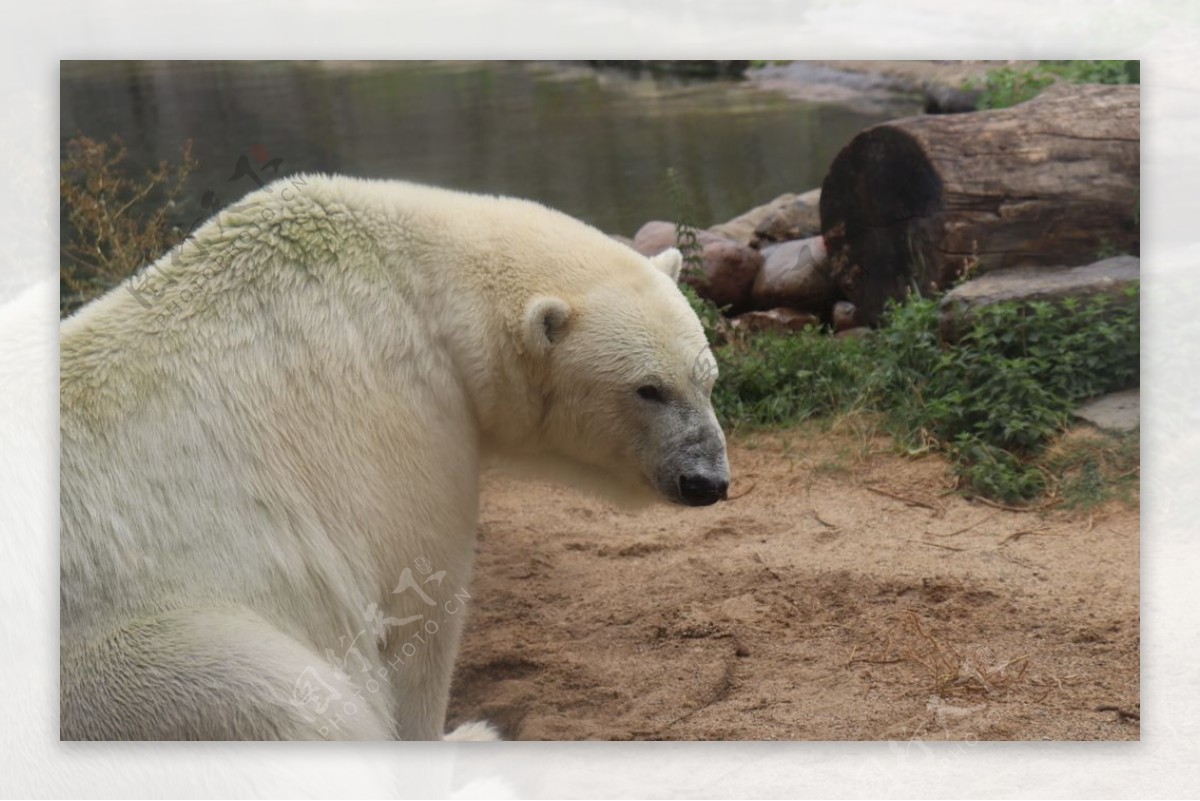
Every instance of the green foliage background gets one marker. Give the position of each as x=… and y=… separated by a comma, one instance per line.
x=991, y=401
x=1007, y=86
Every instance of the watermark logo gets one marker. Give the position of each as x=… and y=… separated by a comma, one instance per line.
x=353, y=667
x=704, y=368
x=312, y=690
x=242, y=168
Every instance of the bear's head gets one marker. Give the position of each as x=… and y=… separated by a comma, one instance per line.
x=623, y=374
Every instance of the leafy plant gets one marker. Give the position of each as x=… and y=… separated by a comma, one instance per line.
x=685, y=229
x=716, y=327
x=774, y=379
x=1006, y=86
x=1107, y=72
x=1008, y=386
x=991, y=401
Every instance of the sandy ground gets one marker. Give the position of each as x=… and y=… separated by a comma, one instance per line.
x=843, y=593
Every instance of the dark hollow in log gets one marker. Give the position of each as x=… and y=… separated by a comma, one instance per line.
x=913, y=204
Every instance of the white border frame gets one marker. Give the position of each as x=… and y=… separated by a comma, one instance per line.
x=1164, y=35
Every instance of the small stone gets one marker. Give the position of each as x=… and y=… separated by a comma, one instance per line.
x=780, y=320
x=742, y=652
x=845, y=315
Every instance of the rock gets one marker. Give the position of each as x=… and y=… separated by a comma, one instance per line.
x=943, y=99
x=1026, y=284
x=729, y=273
x=858, y=332
x=656, y=236
x=812, y=197
x=729, y=267
x=767, y=250
x=741, y=228
x=845, y=315
x=793, y=274
x=795, y=220
x=781, y=320
x=1117, y=411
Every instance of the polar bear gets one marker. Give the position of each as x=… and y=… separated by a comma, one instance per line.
x=272, y=441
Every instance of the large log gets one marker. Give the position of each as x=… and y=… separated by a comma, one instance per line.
x=917, y=202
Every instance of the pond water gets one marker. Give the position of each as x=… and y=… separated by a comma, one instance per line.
x=596, y=144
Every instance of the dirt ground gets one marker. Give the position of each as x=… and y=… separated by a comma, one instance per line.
x=843, y=593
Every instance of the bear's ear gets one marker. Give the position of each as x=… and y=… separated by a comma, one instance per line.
x=546, y=321
x=670, y=261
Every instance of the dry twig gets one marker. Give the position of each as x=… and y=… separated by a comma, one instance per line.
x=937, y=509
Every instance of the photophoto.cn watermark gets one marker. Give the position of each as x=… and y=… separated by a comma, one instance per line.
x=332, y=705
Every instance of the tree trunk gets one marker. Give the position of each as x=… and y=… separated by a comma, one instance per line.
x=918, y=202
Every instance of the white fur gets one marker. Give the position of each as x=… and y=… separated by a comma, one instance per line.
x=477, y=732
x=290, y=411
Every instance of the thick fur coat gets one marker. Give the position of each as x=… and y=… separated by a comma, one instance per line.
x=272, y=441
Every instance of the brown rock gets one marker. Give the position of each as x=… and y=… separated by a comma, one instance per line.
x=796, y=220
x=729, y=268
x=729, y=273
x=794, y=275
x=781, y=320
x=656, y=236
x=845, y=315
x=741, y=228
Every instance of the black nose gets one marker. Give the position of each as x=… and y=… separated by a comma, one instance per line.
x=697, y=490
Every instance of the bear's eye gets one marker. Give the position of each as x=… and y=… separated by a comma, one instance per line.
x=651, y=393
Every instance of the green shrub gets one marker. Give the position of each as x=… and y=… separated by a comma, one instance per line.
x=1108, y=72
x=1006, y=86
x=775, y=379
x=992, y=401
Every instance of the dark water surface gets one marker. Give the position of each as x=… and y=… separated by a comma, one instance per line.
x=595, y=144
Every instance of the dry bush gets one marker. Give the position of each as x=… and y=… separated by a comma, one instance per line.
x=115, y=223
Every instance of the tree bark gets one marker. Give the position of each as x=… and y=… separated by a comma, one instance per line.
x=914, y=204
